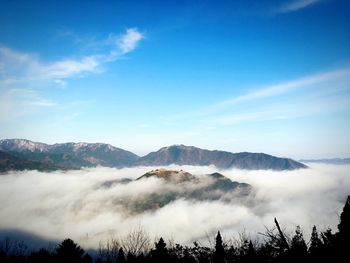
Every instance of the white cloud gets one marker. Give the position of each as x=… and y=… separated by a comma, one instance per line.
x=295, y=5
x=129, y=41
x=17, y=67
x=68, y=68
x=61, y=204
x=23, y=68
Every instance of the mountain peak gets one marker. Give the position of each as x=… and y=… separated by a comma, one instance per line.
x=168, y=175
x=93, y=146
x=183, y=147
x=174, y=146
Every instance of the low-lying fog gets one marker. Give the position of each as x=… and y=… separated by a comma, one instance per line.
x=75, y=204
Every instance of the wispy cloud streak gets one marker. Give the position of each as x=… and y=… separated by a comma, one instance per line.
x=17, y=67
x=279, y=89
x=295, y=6
x=312, y=95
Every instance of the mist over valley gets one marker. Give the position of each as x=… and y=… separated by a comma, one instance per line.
x=184, y=203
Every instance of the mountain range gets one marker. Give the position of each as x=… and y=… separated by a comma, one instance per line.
x=21, y=154
x=337, y=161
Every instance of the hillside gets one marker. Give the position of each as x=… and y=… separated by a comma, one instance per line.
x=178, y=184
x=9, y=162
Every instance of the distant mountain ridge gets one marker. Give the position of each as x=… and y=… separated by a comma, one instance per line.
x=189, y=155
x=77, y=155
x=338, y=161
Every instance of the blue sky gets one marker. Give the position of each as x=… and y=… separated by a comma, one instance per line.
x=259, y=76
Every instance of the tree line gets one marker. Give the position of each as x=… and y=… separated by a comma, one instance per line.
x=324, y=246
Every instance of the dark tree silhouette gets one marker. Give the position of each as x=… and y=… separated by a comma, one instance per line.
x=182, y=254
x=219, y=253
x=131, y=258
x=160, y=247
x=87, y=259
x=200, y=253
x=41, y=256
x=2, y=256
x=315, y=242
x=140, y=258
x=328, y=238
x=315, y=247
x=121, y=256
x=277, y=244
x=343, y=236
x=298, y=246
x=251, y=255
x=68, y=251
x=344, y=225
x=283, y=241
x=247, y=252
x=160, y=253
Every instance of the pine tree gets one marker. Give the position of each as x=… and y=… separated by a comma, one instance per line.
x=41, y=256
x=248, y=253
x=315, y=247
x=121, y=256
x=68, y=251
x=298, y=246
x=219, y=254
x=344, y=225
x=131, y=258
x=315, y=242
x=343, y=236
x=160, y=253
x=161, y=246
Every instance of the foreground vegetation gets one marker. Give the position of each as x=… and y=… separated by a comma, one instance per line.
x=136, y=247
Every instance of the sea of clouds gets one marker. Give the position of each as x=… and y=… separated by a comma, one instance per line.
x=77, y=204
